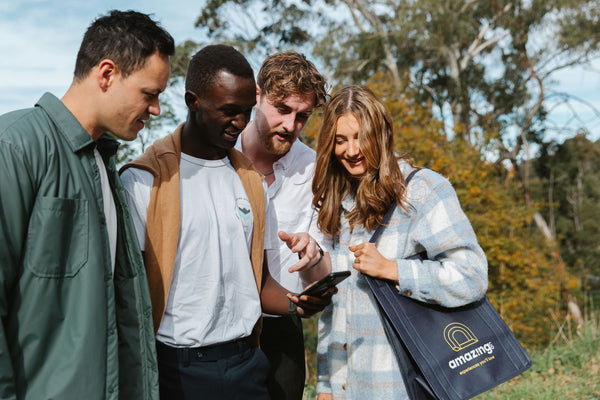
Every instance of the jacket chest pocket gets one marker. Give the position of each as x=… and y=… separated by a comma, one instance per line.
x=57, y=238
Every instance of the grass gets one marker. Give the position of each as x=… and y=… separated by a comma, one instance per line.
x=568, y=369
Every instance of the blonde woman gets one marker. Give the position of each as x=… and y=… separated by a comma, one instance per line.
x=358, y=177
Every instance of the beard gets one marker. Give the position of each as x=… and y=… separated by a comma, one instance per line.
x=274, y=145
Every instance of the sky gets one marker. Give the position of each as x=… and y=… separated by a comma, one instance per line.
x=40, y=39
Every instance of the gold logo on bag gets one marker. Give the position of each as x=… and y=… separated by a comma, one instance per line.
x=459, y=336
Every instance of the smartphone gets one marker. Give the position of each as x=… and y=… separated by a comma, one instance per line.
x=325, y=283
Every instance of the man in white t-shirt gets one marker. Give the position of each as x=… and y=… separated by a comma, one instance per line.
x=202, y=220
x=289, y=88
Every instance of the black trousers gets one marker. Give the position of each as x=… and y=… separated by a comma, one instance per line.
x=283, y=343
x=233, y=370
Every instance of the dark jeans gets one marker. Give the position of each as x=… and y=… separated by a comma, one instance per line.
x=233, y=370
x=283, y=343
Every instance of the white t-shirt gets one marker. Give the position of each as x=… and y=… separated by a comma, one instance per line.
x=110, y=210
x=213, y=296
x=290, y=195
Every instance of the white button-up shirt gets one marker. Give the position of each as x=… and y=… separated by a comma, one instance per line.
x=291, y=196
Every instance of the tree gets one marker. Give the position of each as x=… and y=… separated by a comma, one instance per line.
x=568, y=188
x=468, y=81
x=475, y=58
x=474, y=62
x=525, y=277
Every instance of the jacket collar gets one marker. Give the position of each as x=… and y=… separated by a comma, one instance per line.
x=69, y=127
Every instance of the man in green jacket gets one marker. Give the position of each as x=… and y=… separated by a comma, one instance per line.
x=76, y=319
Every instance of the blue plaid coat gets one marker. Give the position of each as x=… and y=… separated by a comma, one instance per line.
x=355, y=360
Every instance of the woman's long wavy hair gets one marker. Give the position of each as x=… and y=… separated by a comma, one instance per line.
x=382, y=183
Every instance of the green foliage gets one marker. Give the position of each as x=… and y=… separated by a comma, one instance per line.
x=525, y=277
x=310, y=345
x=578, y=28
x=260, y=27
x=179, y=61
x=125, y=153
x=566, y=370
x=479, y=59
x=568, y=189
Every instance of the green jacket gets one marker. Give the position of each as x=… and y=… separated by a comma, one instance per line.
x=69, y=328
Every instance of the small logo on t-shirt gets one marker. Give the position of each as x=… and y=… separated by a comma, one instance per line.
x=244, y=212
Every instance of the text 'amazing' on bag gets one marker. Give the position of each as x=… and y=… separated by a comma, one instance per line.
x=446, y=353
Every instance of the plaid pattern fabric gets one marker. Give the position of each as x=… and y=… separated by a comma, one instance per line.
x=355, y=360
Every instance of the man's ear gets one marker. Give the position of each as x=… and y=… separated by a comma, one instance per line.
x=191, y=100
x=106, y=73
x=258, y=93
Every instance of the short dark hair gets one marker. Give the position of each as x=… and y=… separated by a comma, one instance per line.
x=209, y=61
x=126, y=37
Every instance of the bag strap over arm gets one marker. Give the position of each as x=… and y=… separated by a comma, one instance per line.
x=446, y=353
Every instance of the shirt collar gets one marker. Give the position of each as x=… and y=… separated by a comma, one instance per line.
x=66, y=123
x=107, y=145
x=288, y=158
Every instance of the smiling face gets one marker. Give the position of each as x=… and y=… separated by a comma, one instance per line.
x=279, y=122
x=222, y=112
x=135, y=97
x=347, y=145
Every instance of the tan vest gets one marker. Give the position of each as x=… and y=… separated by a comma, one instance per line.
x=164, y=217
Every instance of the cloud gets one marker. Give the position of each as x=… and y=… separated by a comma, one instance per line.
x=39, y=44
x=40, y=40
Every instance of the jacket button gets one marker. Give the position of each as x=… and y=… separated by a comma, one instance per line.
x=345, y=346
x=344, y=387
x=408, y=292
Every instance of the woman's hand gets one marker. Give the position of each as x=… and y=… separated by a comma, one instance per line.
x=324, y=396
x=368, y=260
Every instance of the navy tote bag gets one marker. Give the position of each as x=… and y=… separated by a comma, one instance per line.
x=446, y=353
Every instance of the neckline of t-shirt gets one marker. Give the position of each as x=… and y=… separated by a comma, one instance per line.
x=205, y=163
